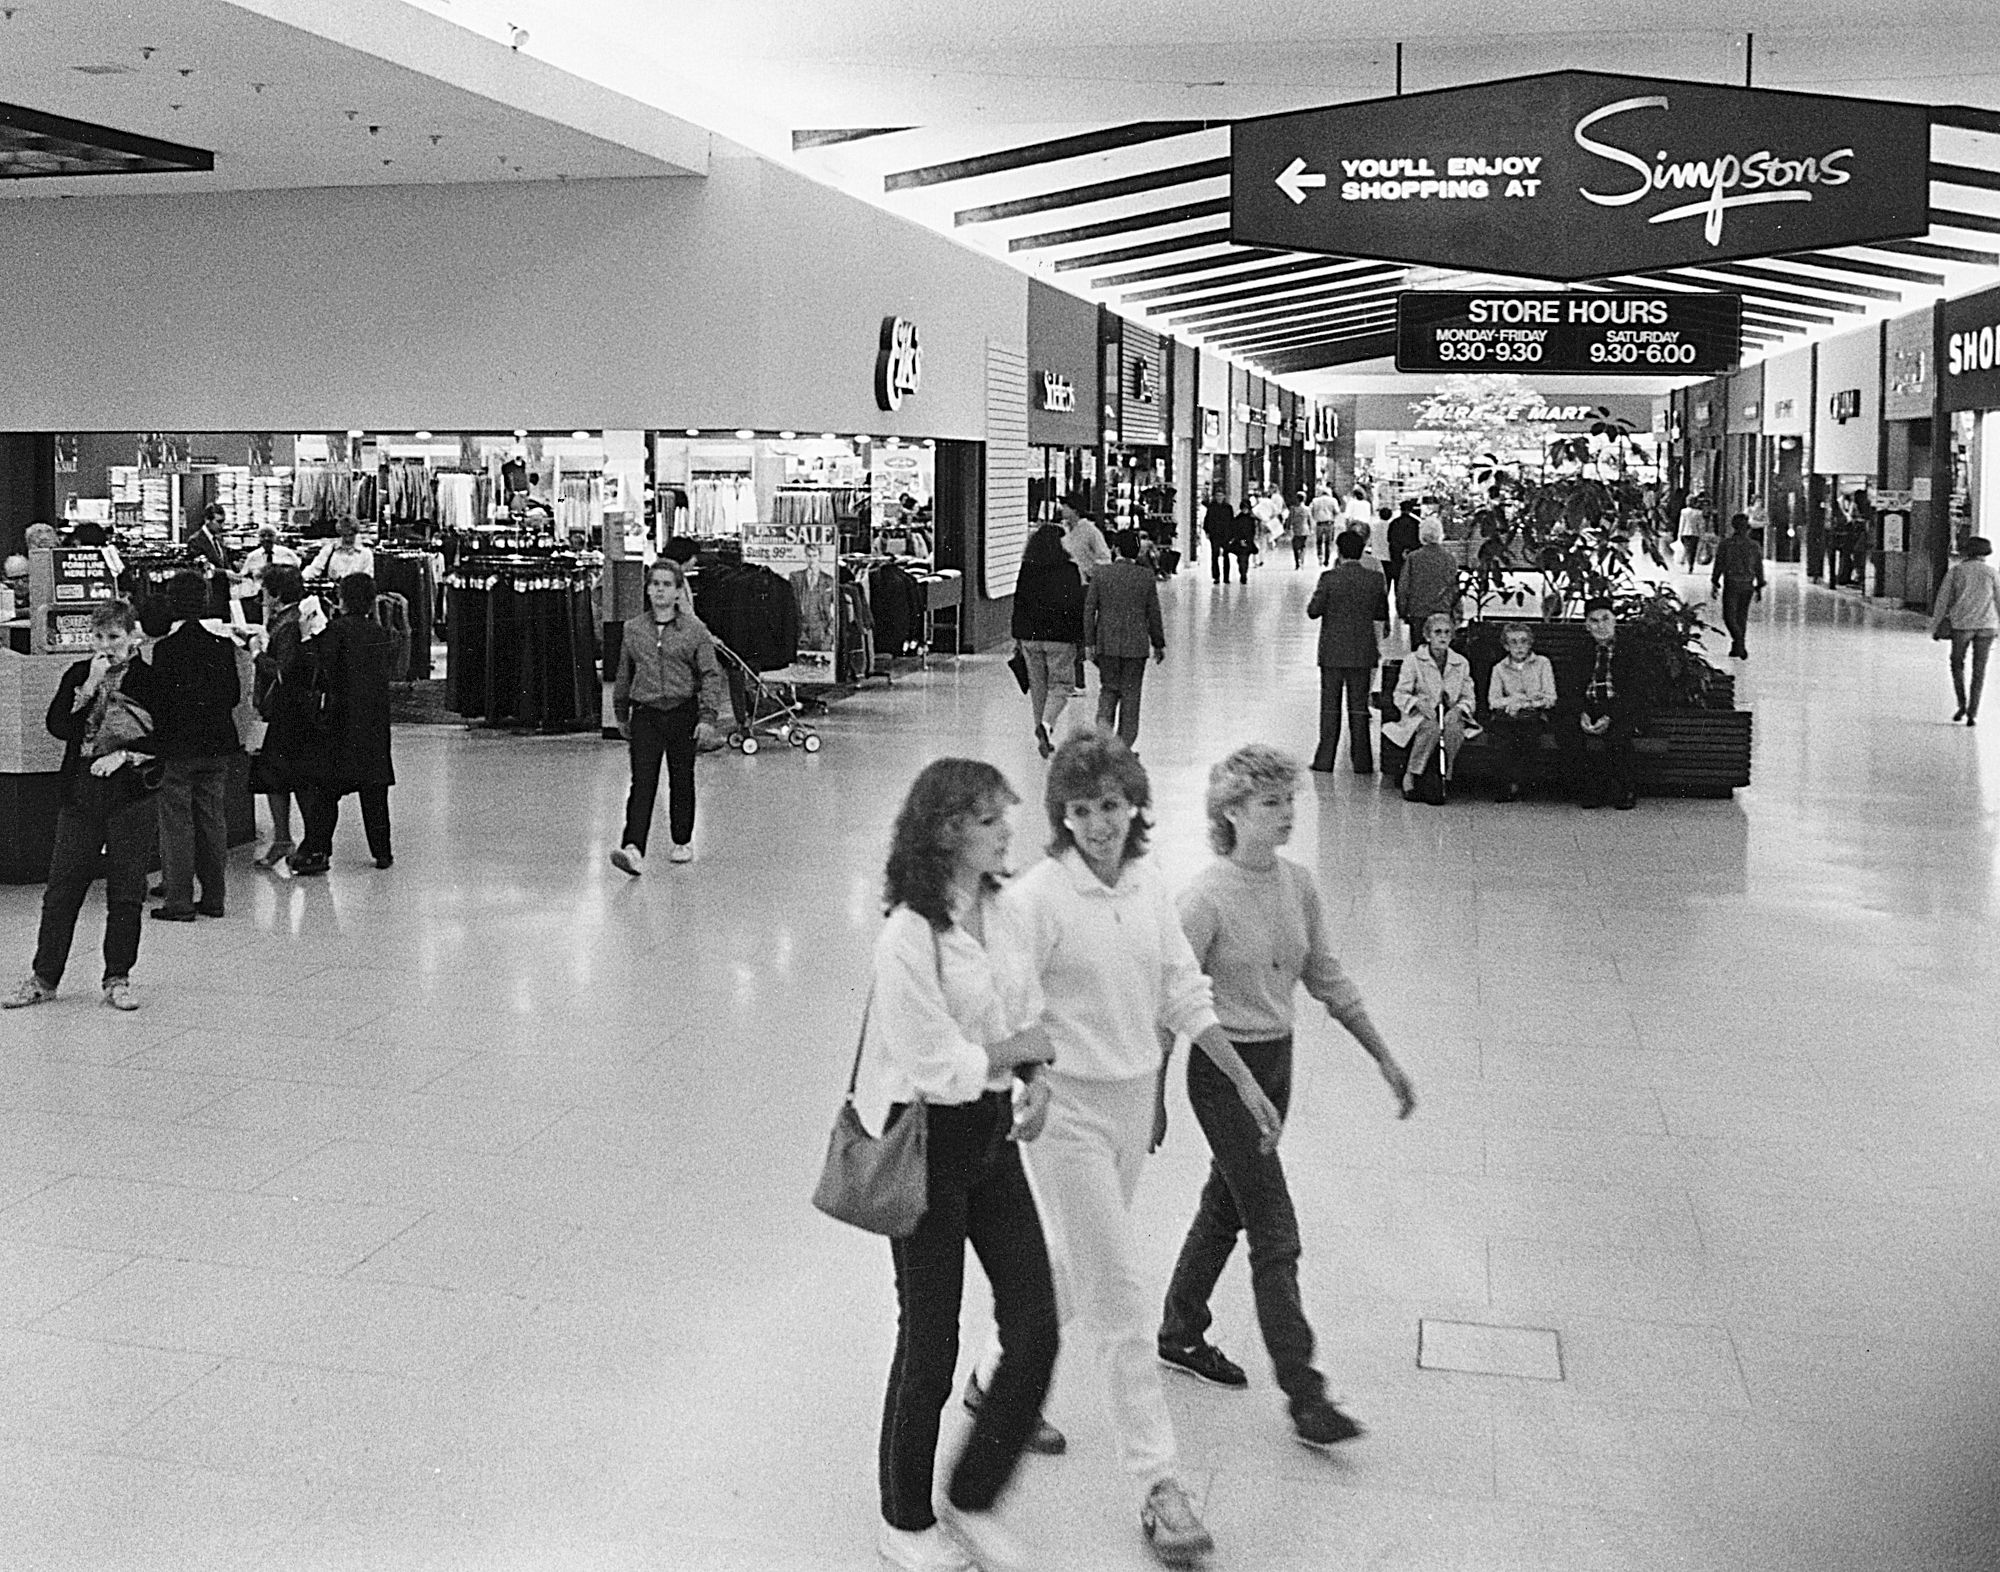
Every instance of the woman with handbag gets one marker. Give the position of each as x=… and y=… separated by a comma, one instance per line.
x=952, y=1036
x=103, y=712
x=1048, y=629
x=284, y=589
x=1117, y=972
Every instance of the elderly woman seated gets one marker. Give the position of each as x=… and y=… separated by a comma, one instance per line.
x=1435, y=698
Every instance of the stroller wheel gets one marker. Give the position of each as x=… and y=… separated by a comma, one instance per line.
x=811, y=742
x=795, y=737
x=735, y=739
x=750, y=744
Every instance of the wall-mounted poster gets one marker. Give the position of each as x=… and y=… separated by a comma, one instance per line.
x=805, y=555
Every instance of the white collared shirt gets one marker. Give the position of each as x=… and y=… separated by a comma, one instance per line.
x=1114, y=964
x=939, y=1000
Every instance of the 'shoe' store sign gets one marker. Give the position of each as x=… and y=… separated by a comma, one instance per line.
x=1579, y=174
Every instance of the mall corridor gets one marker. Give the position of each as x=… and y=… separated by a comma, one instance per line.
x=455, y=1216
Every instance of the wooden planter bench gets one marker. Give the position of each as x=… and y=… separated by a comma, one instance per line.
x=1678, y=753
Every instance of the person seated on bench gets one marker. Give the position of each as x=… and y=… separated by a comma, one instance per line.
x=1435, y=697
x=1608, y=712
x=1519, y=696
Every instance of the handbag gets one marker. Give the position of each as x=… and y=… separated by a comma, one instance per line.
x=880, y=1184
x=1017, y=663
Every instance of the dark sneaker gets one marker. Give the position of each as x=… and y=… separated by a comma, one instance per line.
x=1322, y=1424
x=174, y=913
x=1044, y=1440
x=1207, y=1361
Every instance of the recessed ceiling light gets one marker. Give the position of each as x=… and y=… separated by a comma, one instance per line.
x=788, y=436
x=694, y=431
x=829, y=436
x=520, y=431
x=105, y=70
x=744, y=434
x=423, y=436
x=354, y=433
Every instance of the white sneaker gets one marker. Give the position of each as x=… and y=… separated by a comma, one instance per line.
x=681, y=854
x=629, y=859
x=32, y=991
x=925, y=1551
x=983, y=1537
x=1171, y=1527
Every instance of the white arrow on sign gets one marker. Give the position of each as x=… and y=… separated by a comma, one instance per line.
x=1295, y=182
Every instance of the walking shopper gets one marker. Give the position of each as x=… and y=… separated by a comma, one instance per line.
x=1218, y=523
x=104, y=712
x=1326, y=524
x=1520, y=697
x=1116, y=972
x=667, y=697
x=955, y=1020
x=1298, y=527
x=283, y=595
x=1429, y=583
x=1258, y=925
x=197, y=689
x=1243, y=539
x=1352, y=606
x=1121, y=624
x=1739, y=579
x=1402, y=536
x=1082, y=539
x=1692, y=522
x=1048, y=628
x=349, y=749
x=1968, y=613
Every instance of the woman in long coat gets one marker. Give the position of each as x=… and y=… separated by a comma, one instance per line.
x=334, y=728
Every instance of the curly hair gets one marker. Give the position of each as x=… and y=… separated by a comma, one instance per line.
x=114, y=615
x=1090, y=764
x=1248, y=772
x=923, y=850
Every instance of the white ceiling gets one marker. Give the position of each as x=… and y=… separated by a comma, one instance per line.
x=279, y=106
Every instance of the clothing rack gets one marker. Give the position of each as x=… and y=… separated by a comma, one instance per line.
x=523, y=639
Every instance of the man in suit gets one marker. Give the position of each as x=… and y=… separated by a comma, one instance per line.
x=812, y=588
x=196, y=684
x=1605, y=707
x=1351, y=602
x=1400, y=539
x=1121, y=623
x=1218, y=523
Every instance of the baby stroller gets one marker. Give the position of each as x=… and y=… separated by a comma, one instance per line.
x=774, y=708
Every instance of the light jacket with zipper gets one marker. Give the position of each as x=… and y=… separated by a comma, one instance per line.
x=662, y=665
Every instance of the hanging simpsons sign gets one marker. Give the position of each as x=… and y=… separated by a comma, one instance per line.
x=1579, y=174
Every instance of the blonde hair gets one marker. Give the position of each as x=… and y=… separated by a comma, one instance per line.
x=1248, y=772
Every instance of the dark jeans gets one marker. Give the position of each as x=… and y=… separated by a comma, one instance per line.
x=194, y=832
x=1218, y=563
x=1517, y=739
x=658, y=734
x=1604, y=764
x=979, y=1196
x=1736, y=594
x=319, y=803
x=1351, y=681
x=1246, y=1193
x=1981, y=645
x=102, y=817
x=1121, y=682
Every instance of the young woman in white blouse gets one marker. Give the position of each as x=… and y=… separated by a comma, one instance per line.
x=954, y=1020
x=1118, y=976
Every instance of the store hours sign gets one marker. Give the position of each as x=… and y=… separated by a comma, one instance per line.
x=1666, y=334
x=1581, y=174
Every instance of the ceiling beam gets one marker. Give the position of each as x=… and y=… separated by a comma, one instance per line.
x=1827, y=259
x=1154, y=219
x=1102, y=191
x=1318, y=317
x=1765, y=292
x=1145, y=275
x=1938, y=253
x=1799, y=280
x=1269, y=351
x=1035, y=153
x=1212, y=291
x=1950, y=219
x=1963, y=117
x=1965, y=175
x=1248, y=312
x=1346, y=327
x=1370, y=348
x=1152, y=248
x=1787, y=314
x=802, y=140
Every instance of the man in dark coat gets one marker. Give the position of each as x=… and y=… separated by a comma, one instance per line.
x=1351, y=602
x=1605, y=706
x=198, y=689
x=1121, y=623
x=1403, y=536
x=1218, y=523
x=343, y=674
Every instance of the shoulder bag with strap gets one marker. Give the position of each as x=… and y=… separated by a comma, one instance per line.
x=878, y=1184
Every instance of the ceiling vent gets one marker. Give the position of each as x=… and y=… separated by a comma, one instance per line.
x=105, y=70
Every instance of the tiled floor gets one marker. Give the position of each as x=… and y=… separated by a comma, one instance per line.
x=454, y=1217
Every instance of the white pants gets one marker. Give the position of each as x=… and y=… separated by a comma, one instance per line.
x=1086, y=1168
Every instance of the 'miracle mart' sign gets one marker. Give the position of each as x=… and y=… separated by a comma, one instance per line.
x=1580, y=174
